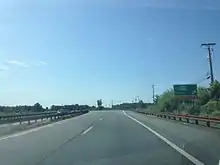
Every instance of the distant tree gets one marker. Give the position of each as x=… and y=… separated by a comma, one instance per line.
x=156, y=99
x=166, y=101
x=141, y=104
x=99, y=103
x=1, y=109
x=37, y=108
x=203, y=95
x=53, y=108
x=76, y=107
x=93, y=108
x=215, y=90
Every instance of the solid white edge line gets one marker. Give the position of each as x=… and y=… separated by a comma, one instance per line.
x=174, y=146
x=87, y=130
x=33, y=129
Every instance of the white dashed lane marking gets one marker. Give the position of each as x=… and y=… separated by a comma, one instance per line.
x=87, y=130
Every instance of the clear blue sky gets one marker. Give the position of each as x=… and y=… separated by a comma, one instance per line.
x=78, y=51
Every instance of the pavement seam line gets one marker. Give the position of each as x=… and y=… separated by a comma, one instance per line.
x=87, y=130
x=171, y=144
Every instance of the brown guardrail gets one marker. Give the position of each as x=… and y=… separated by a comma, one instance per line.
x=209, y=121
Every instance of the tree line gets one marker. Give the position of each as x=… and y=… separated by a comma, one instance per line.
x=39, y=108
x=206, y=103
x=132, y=106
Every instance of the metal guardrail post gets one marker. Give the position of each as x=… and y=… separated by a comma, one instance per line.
x=208, y=123
x=187, y=120
x=20, y=118
x=196, y=121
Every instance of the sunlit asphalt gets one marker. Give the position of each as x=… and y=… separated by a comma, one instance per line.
x=112, y=138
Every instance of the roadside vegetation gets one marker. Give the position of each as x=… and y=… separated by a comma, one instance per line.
x=206, y=103
x=6, y=110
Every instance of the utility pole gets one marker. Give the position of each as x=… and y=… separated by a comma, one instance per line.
x=112, y=103
x=138, y=99
x=153, y=97
x=135, y=99
x=137, y=102
x=209, y=46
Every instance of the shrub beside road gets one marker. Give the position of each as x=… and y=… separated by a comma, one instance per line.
x=206, y=103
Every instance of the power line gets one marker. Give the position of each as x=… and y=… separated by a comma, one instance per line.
x=204, y=77
x=138, y=99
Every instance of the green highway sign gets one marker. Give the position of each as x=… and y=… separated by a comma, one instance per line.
x=185, y=90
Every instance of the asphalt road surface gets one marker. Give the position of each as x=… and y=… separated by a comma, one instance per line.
x=6, y=129
x=112, y=138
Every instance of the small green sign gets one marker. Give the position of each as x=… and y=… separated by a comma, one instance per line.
x=185, y=90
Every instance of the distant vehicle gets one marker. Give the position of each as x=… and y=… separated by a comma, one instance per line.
x=63, y=111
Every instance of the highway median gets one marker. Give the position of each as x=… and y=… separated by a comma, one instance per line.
x=10, y=124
